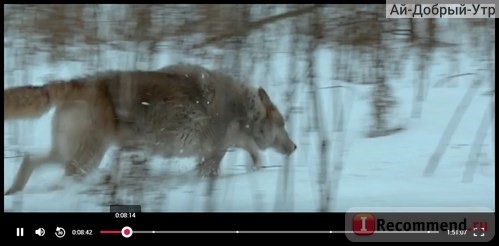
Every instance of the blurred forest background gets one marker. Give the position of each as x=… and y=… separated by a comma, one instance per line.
x=247, y=34
x=369, y=49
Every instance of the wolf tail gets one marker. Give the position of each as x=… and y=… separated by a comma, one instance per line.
x=34, y=101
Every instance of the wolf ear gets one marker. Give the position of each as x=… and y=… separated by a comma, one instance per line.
x=269, y=107
x=264, y=97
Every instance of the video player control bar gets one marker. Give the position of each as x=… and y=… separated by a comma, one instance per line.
x=127, y=232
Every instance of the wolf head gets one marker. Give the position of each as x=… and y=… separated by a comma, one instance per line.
x=268, y=128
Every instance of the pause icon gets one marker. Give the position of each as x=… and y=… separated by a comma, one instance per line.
x=20, y=232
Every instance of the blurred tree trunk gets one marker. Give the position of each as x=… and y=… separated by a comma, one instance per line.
x=284, y=198
x=383, y=100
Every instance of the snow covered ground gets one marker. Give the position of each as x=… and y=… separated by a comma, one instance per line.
x=381, y=172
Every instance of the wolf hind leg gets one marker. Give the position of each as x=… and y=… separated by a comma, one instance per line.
x=28, y=165
x=80, y=136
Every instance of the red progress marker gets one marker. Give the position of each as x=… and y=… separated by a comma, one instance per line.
x=110, y=232
x=126, y=232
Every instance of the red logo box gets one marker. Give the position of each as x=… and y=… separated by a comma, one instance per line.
x=363, y=224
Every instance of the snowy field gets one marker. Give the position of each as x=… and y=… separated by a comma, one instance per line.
x=377, y=172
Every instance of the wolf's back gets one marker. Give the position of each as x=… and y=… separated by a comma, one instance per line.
x=34, y=101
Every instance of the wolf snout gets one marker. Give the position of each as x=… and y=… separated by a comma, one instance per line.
x=293, y=148
x=289, y=148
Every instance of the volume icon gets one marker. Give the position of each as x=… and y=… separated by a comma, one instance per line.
x=40, y=232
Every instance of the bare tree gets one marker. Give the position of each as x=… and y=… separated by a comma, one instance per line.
x=382, y=98
x=284, y=196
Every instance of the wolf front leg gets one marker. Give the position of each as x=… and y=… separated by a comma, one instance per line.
x=86, y=158
x=252, y=149
x=210, y=165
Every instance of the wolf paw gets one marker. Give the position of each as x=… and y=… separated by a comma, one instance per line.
x=10, y=191
x=254, y=167
x=55, y=187
x=207, y=173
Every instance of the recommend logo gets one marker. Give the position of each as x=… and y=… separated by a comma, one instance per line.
x=363, y=224
x=417, y=225
x=366, y=224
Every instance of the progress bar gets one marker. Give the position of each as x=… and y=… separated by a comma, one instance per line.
x=278, y=232
x=127, y=232
x=228, y=232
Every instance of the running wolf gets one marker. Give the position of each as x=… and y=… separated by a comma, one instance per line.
x=178, y=111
